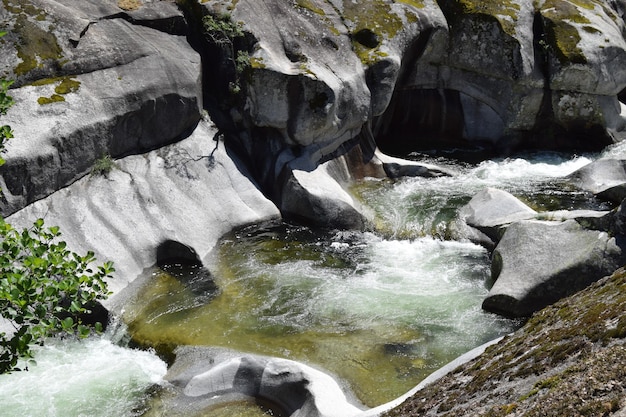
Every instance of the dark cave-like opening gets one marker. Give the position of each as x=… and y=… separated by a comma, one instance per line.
x=437, y=121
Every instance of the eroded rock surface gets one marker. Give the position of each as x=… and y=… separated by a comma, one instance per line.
x=605, y=178
x=90, y=82
x=190, y=192
x=205, y=377
x=489, y=212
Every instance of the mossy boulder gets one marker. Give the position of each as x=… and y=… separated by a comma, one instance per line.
x=514, y=74
x=91, y=79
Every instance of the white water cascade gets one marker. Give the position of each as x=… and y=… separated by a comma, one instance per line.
x=95, y=377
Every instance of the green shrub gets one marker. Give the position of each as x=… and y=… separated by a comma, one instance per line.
x=44, y=287
x=103, y=165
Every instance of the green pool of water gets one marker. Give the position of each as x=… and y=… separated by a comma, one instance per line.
x=380, y=314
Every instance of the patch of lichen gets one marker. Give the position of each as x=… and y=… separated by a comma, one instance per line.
x=54, y=98
x=129, y=5
x=310, y=5
x=24, y=7
x=506, y=12
x=369, y=56
x=563, y=20
x=257, y=63
x=568, y=359
x=35, y=44
x=418, y=4
x=65, y=86
x=376, y=16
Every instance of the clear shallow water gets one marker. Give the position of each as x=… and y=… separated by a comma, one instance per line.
x=86, y=378
x=381, y=314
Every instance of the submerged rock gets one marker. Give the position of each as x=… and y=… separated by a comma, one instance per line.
x=536, y=263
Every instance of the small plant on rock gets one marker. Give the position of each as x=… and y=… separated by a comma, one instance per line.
x=223, y=32
x=103, y=165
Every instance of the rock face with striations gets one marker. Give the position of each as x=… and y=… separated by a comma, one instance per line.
x=418, y=74
x=89, y=80
x=294, y=84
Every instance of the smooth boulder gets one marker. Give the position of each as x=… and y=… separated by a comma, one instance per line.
x=537, y=263
x=90, y=80
x=605, y=178
x=205, y=377
x=489, y=212
x=191, y=192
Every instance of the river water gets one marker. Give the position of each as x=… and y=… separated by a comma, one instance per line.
x=379, y=309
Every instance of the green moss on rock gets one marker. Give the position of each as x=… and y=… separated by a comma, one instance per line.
x=563, y=20
x=54, y=98
x=36, y=45
x=310, y=5
x=506, y=12
x=377, y=17
x=418, y=4
x=65, y=86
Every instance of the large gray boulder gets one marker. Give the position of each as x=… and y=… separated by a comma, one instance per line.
x=536, y=263
x=317, y=197
x=89, y=80
x=321, y=196
x=520, y=74
x=605, y=178
x=489, y=213
x=485, y=218
x=529, y=74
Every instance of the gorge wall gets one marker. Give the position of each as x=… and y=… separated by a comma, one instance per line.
x=293, y=85
x=221, y=113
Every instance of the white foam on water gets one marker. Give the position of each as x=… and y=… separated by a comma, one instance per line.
x=80, y=378
x=433, y=286
x=510, y=173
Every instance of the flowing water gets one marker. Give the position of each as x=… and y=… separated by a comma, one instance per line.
x=382, y=309
x=96, y=377
x=379, y=309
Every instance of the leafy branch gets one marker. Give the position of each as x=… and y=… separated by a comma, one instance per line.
x=223, y=32
x=44, y=287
